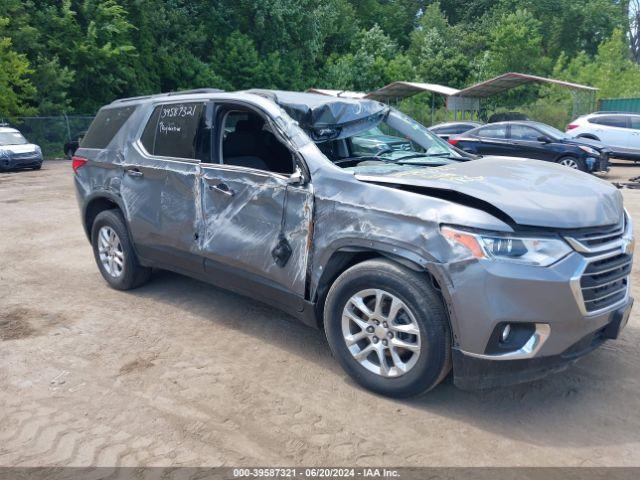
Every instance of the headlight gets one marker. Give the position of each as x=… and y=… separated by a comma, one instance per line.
x=538, y=251
x=589, y=150
x=4, y=153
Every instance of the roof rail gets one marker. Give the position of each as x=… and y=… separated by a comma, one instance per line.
x=195, y=90
x=170, y=94
x=617, y=112
x=141, y=97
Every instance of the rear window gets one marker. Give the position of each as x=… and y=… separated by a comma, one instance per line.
x=105, y=126
x=172, y=130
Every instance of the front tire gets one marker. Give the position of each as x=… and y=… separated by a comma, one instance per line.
x=388, y=328
x=572, y=162
x=114, y=252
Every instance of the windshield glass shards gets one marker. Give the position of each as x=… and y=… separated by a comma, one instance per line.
x=396, y=139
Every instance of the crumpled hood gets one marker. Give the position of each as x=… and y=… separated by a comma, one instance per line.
x=531, y=192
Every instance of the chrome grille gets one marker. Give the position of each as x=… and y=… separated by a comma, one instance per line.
x=595, y=239
x=600, y=240
x=605, y=282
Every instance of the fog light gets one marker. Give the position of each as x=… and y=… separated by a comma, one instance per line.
x=505, y=332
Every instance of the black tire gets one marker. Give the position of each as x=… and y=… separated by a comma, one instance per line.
x=412, y=288
x=582, y=166
x=133, y=274
x=37, y=167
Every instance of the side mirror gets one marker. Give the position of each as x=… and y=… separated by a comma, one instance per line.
x=544, y=139
x=297, y=177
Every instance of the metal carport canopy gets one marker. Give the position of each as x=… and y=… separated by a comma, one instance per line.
x=399, y=90
x=510, y=80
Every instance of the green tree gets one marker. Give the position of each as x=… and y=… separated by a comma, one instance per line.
x=514, y=45
x=611, y=70
x=15, y=86
x=375, y=62
x=439, y=51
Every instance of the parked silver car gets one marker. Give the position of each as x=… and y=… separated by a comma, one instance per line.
x=413, y=262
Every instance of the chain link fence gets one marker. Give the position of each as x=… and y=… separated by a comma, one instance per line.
x=51, y=133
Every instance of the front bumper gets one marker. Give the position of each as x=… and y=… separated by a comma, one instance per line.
x=473, y=373
x=597, y=164
x=547, y=304
x=11, y=162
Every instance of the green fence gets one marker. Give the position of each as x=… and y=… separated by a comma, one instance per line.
x=51, y=133
x=619, y=105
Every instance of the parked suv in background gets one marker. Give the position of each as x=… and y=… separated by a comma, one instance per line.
x=618, y=130
x=411, y=261
x=17, y=152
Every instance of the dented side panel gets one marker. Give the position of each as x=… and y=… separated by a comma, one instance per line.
x=245, y=213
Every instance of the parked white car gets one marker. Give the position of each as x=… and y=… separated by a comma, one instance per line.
x=618, y=130
x=17, y=152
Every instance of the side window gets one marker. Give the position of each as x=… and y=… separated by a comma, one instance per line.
x=522, y=132
x=247, y=140
x=463, y=128
x=104, y=127
x=610, y=121
x=493, y=131
x=635, y=123
x=177, y=130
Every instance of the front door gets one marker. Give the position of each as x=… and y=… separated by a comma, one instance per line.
x=527, y=144
x=257, y=223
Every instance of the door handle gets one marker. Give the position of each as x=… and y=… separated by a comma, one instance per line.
x=134, y=172
x=222, y=188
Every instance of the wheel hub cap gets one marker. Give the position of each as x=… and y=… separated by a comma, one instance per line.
x=381, y=332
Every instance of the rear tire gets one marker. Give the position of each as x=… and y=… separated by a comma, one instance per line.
x=114, y=252
x=378, y=360
x=572, y=162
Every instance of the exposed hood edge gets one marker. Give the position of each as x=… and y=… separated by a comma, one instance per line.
x=449, y=195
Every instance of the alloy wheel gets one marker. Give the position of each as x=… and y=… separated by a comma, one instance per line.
x=569, y=162
x=110, y=251
x=381, y=332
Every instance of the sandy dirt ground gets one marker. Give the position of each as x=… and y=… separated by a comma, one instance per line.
x=181, y=373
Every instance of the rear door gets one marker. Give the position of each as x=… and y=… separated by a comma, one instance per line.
x=160, y=184
x=492, y=140
x=634, y=138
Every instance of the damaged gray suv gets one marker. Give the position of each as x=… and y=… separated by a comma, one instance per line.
x=413, y=258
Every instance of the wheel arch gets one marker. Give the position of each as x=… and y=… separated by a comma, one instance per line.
x=96, y=203
x=345, y=257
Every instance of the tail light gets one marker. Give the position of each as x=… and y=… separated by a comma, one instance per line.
x=77, y=162
x=453, y=141
x=571, y=126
